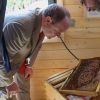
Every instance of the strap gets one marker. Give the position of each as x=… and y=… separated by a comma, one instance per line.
x=68, y=49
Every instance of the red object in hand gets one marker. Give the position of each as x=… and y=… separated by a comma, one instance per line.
x=22, y=68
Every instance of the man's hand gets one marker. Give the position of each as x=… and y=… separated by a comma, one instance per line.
x=12, y=89
x=28, y=72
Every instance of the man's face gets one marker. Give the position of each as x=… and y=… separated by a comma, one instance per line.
x=53, y=30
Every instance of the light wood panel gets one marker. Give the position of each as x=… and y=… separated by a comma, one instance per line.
x=64, y=54
x=37, y=82
x=45, y=73
x=57, y=54
x=53, y=93
x=77, y=43
x=54, y=64
x=71, y=2
x=73, y=43
x=52, y=46
x=75, y=10
x=83, y=22
x=83, y=33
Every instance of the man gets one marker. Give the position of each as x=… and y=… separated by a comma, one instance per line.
x=24, y=34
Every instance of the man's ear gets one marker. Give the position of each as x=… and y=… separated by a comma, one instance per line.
x=48, y=20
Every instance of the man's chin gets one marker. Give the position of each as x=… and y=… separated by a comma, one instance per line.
x=48, y=37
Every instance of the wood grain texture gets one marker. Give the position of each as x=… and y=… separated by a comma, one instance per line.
x=71, y=2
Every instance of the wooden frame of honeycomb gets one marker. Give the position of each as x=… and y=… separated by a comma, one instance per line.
x=83, y=81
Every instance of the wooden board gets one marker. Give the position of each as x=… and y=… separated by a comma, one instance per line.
x=54, y=64
x=71, y=2
x=57, y=54
x=75, y=10
x=83, y=32
x=83, y=22
x=52, y=93
x=74, y=43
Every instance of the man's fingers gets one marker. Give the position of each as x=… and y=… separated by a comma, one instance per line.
x=28, y=73
x=27, y=76
x=8, y=93
x=11, y=93
x=12, y=89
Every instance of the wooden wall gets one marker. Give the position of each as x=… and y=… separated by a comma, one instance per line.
x=83, y=40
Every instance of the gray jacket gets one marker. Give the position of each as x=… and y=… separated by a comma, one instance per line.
x=21, y=34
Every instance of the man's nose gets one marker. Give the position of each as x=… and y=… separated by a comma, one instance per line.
x=58, y=34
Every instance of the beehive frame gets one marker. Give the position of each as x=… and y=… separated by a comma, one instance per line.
x=70, y=87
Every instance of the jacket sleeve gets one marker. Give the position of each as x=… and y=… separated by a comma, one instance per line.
x=15, y=37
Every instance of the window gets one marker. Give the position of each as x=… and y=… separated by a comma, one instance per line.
x=16, y=5
x=92, y=14
x=52, y=1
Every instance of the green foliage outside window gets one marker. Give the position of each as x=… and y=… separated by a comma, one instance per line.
x=18, y=4
x=15, y=5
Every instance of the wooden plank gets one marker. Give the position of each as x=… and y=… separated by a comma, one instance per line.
x=39, y=99
x=35, y=96
x=47, y=98
x=83, y=22
x=52, y=46
x=77, y=43
x=37, y=82
x=83, y=33
x=64, y=54
x=75, y=10
x=53, y=93
x=86, y=53
x=53, y=77
x=54, y=64
x=45, y=73
x=37, y=88
x=71, y=2
x=80, y=93
x=57, y=54
x=73, y=43
x=85, y=29
x=52, y=96
x=38, y=91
